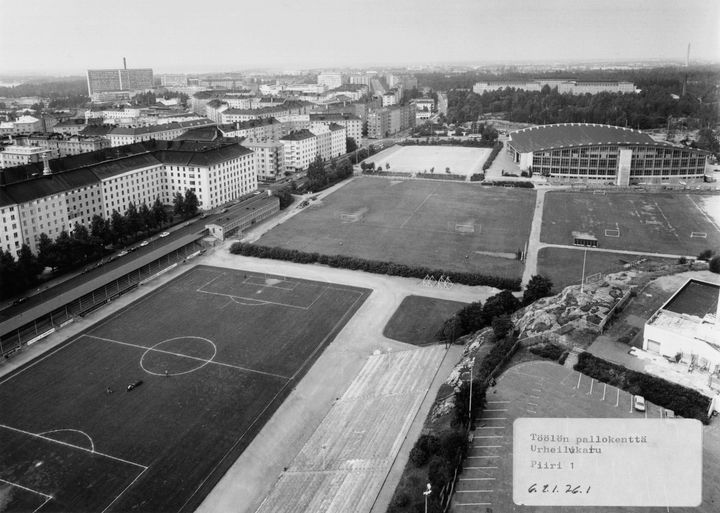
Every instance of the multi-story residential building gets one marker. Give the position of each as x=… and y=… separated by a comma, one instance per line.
x=563, y=86
x=390, y=120
x=121, y=136
x=59, y=145
x=269, y=158
x=338, y=138
x=378, y=123
x=114, y=116
x=292, y=122
x=69, y=127
x=352, y=123
x=300, y=149
x=361, y=79
x=52, y=196
x=214, y=110
x=265, y=129
x=23, y=125
x=174, y=80
x=110, y=81
x=390, y=98
x=324, y=139
x=18, y=155
x=331, y=80
x=424, y=108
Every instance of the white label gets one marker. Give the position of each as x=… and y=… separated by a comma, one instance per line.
x=607, y=462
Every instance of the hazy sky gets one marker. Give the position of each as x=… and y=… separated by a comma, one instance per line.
x=73, y=35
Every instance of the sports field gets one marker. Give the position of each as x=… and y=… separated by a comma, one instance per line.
x=417, y=159
x=669, y=222
x=418, y=319
x=450, y=226
x=565, y=266
x=544, y=389
x=216, y=351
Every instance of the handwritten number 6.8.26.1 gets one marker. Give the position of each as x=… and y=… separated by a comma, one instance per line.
x=568, y=488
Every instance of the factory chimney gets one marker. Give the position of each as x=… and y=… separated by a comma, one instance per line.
x=124, y=63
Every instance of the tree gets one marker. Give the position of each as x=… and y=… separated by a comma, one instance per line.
x=191, y=203
x=470, y=318
x=8, y=275
x=178, y=204
x=502, y=325
x=28, y=265
x=499, y=304
x=387, y=166
x=45, y=251
x=715, y=264
x=285, y=196
x=316, y=175
x=350, y=145
x=133, y=220
x=100, y=229
x=118, y=226
x=538, y=287
x=158, y=212
x=147, y=219
x=707, y=140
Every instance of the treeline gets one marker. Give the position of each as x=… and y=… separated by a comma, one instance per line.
x=48, y=89
x=372, y=266
x=683, y=401
x=494, y=153
x=321, y=176
x=81, y=246
x=650, y=108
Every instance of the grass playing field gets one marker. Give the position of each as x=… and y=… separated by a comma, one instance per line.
x=449, y=226
x=543, y=389
x=232, y=344
x=565, y=266
x=418, y=319
x=674, y=223
x=416, y=159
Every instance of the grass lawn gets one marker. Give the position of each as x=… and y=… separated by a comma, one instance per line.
x=564, y=266
x=668, y=222
x=418, y=319
x=461, y=160
x=216, y=350
x=416, y=223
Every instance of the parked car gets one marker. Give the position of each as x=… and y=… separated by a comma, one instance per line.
x=639, y=403
x=122, y=253
x=164, y=234
x=144, y=243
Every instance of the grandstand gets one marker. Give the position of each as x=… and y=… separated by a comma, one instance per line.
x=344, y=463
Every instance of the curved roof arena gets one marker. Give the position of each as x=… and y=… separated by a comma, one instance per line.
x=565, y=135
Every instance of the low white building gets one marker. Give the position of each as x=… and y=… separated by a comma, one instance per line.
x=687, y=326
x=15, y=155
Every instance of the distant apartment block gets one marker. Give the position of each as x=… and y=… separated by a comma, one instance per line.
x=331, y=80
x=59, y=145
x=104, y=83
x=300, y=149
x=563, y=86
x=351, y=122
x=121, y=136
x=18, y=155
x=50, y=197
x=174, y=80
x=424, y=108
x=269, y=158
x=390, y=120
x=24, y=125
x=265, y=129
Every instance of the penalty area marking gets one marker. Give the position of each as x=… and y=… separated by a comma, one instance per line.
x=698, y=235
x=92, y=444
x=612, y=233
x=262, y=302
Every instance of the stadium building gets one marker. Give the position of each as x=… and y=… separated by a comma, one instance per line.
x=572, y=152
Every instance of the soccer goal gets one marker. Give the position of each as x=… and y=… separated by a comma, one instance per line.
x=601, y=193
x=349, y=218
x=698, y=235
x=612, y=233
x=594, y=278
x=464, y=228
x=429, y=281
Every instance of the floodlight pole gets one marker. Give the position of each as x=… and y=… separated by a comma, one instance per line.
x=426, y=493
x=472, y=364
x=582, y=283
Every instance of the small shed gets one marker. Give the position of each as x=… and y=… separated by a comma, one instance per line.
x=584, y=239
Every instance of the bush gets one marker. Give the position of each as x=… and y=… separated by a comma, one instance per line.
x=496, y=149
x=502, y=325
x=511, y=183
x=477, y=177
x=683, y=401
x=372, y=266
x=706, y=255
x=550, y=351
x=563, y=357
x=418, y=456
x=715, y=265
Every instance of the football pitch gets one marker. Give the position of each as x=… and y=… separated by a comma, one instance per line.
x=417, y=159
x=213, y=353
x=670, y=222
x=449, y=226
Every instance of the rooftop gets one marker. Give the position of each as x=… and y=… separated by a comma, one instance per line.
x=697, y=298
x=298, y=135
x=566, y=135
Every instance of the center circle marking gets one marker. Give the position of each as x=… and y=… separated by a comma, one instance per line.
x=202, y=363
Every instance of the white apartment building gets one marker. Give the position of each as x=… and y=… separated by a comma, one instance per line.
x=331, y=80
x=121, y=136
x=269, y=158
x=214, y=110
x=324, y=139
x=24, y=125
x=352, y=123
x=35, y=200
x=300, y=149
x=389, y=98
x=266, y=129
x=338, y=136
x=16, y=155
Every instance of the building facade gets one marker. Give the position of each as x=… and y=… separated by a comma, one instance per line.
x=269, y=159
x=121, y=136
x=300, y=149
x=103, y=81
x=352, y=123
x=18, y=155
x=568, y=86
x=572, y=152
x=265, y=129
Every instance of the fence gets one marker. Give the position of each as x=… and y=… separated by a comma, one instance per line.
x=46, y=324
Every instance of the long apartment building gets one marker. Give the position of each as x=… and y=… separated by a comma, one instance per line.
x=390, y=120
x=59, y=145
x=121, y=136
x=352, y=123
x=51, y=196
x=569, y=86
x=264, y=129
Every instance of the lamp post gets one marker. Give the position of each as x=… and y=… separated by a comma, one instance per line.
x=582, y=282
x=427, y=492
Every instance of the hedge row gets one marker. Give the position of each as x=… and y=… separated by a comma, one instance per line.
x=434, y=141
x=494, y=153
x=441, y=176
x=502, y=350
x=511, y=183
x=549, y=351
x=683, y=401
x=372, y=266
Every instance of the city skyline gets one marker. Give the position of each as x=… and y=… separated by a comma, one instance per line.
x=68, y=38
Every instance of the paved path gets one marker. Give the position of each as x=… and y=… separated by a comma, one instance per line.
x=618, y=251
x=534, y=239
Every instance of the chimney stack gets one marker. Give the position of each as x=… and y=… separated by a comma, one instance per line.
x=46, y=165
x=124, y=63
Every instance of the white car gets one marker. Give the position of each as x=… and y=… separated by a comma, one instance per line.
x=144, y=243
x=639, y=403
x=122, y=253
x=164, y=234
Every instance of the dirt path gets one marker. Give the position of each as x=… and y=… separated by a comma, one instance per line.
x=534, y=239
x=245, y=485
